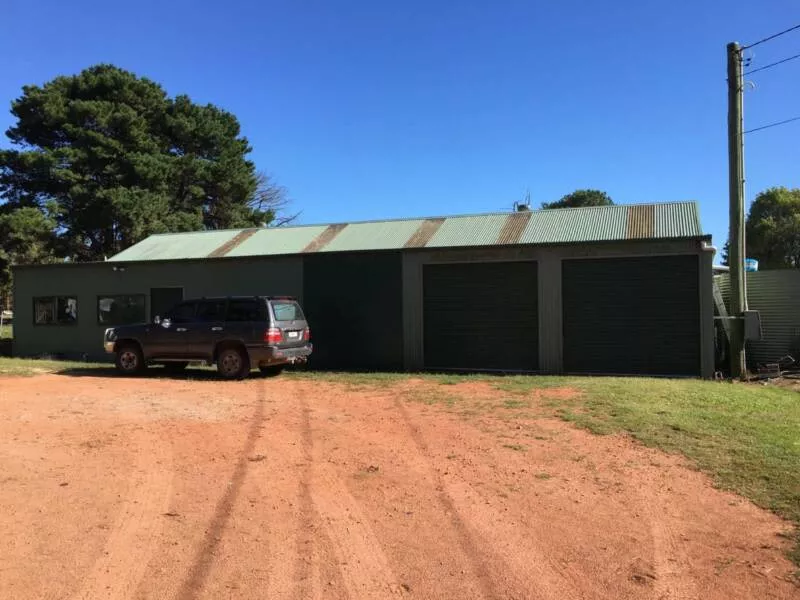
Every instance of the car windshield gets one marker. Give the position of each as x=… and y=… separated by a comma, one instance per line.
x=287, y=311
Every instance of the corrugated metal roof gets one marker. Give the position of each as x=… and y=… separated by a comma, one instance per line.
x=677, y=219
x=386, y=235
x=197, y=244
x=278, y=240
x=541, y=227
x=479, y=230
x=563, y=225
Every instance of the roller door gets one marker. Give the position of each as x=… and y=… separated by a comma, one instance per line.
x=481, y=316
x=632, y=315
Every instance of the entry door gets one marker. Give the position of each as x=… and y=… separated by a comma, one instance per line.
x=481, y=316
x=163, y=299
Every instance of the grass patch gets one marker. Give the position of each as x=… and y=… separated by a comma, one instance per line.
x=24, y=367
x=746, y=436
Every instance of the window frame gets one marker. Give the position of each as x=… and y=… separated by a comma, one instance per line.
x=55, y=298
x=97, y=306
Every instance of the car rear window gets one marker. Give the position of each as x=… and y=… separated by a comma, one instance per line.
x=244, y=310
x=287, y=311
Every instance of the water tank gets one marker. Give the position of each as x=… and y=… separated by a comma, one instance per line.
x=750, y=265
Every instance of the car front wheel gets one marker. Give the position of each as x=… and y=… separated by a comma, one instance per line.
x=130, y=360
x=233, y=363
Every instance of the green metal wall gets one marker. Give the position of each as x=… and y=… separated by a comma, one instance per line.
x=638, y=315
x=776, y=295
x=354, y=305
x=86, y=281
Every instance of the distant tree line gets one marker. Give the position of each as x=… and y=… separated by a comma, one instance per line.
x=102, y=159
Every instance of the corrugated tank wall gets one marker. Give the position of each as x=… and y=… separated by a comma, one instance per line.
x=776, y=295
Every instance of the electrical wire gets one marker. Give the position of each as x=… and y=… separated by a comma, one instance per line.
x=772, y=125
x=769, y=66
x=772, y=37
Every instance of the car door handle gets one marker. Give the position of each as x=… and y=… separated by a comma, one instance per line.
x=181, y=329
x=216, y=329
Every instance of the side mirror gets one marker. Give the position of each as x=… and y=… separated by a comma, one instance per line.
x=157, y=320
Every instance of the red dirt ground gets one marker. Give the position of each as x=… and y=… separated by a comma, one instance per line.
x=283, y=488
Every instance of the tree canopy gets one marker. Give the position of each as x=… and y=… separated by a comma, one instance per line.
x=581, y=198
x=104, y=158
x=773, y=228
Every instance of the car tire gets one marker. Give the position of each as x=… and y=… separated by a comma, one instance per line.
x=271, y=371
x=130, y=360
x=175, y=367
x=233, y=363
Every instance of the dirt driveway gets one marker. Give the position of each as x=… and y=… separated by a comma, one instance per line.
x=288, y=488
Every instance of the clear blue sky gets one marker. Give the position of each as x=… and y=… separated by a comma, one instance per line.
x=374, y=109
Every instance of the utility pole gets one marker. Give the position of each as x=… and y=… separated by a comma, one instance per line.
x=736, y=246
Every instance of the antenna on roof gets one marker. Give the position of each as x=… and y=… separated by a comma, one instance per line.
x=525, y=205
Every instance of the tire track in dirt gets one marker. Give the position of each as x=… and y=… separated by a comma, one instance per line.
x=671, y=565
x=117, y=573
x=196, y=578
x=465, y=539
x=306, y=571
x=363, y=565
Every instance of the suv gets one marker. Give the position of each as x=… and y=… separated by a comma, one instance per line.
x=236, y=333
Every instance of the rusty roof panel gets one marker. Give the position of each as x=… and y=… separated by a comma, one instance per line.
x=324, y=238
x=424, y=233
x=278, y=240
x=641, y=222
x=385, y=235
x=513, y=227
x=232, y=243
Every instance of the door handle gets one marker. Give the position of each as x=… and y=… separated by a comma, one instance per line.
x=216, y=329
x=180, y=329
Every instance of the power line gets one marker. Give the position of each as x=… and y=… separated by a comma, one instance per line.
x=773, y=125
x=769, y=66
x=772, y=37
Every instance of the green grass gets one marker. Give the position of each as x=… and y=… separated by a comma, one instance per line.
x=745, y=436
x=22, y=367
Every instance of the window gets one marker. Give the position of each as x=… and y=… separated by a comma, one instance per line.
x=122, y=309
x=182, y=313
x=211, y=310
x=244, y=310
x=55, y=310
x=287, y=311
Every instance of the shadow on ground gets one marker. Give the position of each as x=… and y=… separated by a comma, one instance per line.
x=152, y=373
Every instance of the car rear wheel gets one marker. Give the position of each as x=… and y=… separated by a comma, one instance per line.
x=233, y=363
x=272, y=370
x=130, y=359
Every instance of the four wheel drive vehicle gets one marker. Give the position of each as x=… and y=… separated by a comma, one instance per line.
x=235, y=333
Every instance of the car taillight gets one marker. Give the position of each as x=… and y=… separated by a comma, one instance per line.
x=307, y=334
x=273, y=335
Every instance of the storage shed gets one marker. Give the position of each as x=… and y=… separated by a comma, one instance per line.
x=612, y=289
